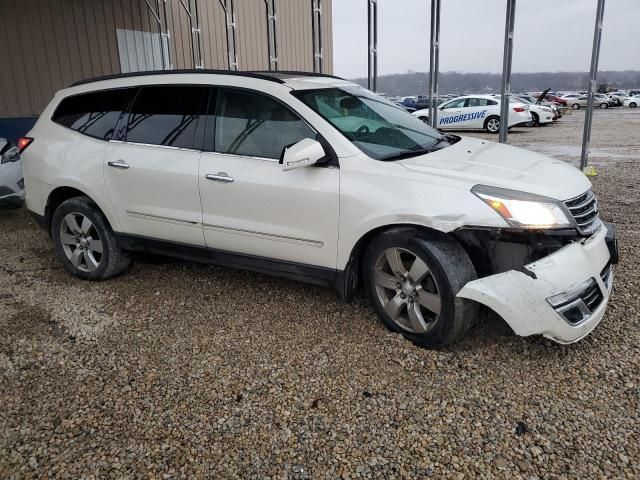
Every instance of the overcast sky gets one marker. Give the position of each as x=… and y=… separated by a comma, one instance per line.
x=550, y=35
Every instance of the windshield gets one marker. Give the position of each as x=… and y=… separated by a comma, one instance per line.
x=376, y=126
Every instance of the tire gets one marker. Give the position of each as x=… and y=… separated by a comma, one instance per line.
x=604, y=105
x=424, y=119
x=424, y=309
x=575, y=106
x=633, y=105
x=492, y=124
x=84, y=241
x=535, y=120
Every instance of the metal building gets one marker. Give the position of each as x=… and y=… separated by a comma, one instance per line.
x=46, y=45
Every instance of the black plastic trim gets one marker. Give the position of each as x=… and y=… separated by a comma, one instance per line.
x=296, y=271
x=41, y=220
x=258, y=75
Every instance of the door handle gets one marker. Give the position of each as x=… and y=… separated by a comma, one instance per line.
x=219, y=177
x=119, y=164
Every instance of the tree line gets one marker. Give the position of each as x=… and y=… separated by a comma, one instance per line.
x=417, y=83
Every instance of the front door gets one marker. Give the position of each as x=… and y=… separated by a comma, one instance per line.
x=151, y=175
x=250, y=206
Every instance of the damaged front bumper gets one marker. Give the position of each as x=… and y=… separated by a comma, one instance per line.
x=562, y=296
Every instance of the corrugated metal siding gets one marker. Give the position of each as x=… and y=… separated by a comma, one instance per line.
x=62, y=41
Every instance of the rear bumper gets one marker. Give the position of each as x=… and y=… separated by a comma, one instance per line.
x=528, y=300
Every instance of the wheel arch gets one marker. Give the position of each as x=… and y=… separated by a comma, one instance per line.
x=64, y=192
x=350, y=279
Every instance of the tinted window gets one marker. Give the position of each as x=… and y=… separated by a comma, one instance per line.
x=255, y=125
x=477, y=102
x=94, y=114
x=455, y=103
x=166, y=115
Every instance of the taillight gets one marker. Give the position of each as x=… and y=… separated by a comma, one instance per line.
x=23, y=143
x=518, y=109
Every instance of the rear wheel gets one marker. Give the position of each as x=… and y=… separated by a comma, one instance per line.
x=84, y=241
x=412, y=279
x=604, y=105
x=492, y=124
x=576, y=106
x=633, y=105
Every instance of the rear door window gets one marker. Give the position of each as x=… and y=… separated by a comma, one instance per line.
x=167, y=115
x=94, y=114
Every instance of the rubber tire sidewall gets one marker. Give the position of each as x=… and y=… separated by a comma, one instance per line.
x=633, y=105
x=452, y=269
x=575, y=106
x=113, y=261
x=486, y=124
x=535, y=119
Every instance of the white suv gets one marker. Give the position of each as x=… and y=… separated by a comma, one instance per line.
x=315, y=178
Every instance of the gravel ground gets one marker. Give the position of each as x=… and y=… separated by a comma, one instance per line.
x=184, y=370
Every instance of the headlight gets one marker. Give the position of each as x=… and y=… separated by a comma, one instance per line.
x=524, y=210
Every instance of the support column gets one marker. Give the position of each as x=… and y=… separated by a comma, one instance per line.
x=506, y=70
x=372, y=36
x=588, y=115
x=434, y=63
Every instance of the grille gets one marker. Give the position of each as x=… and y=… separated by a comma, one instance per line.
x=578, y=304
x=584, y=210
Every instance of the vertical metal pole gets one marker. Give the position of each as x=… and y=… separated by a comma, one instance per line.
x=272, y=39
x=595, y=56
x=372, y=36
x=434, y=63
x=163, y=33
x=166, y=35
x=191, y=9
x=316, y=33
x=230, y=28
x=506, y=70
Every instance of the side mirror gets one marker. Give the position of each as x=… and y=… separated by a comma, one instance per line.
x=305, y=153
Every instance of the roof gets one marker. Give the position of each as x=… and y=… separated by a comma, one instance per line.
x=281, y=77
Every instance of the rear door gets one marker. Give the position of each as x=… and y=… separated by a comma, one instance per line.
x=151, y=169
x=250, y=205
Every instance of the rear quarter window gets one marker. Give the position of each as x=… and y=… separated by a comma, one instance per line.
x=94, y=114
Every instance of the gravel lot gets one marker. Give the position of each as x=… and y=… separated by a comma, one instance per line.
x=184, y=370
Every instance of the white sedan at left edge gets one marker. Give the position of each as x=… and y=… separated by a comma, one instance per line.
x=476, y=112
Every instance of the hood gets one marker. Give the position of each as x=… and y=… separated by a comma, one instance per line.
x=483, y=162
x=542, y=95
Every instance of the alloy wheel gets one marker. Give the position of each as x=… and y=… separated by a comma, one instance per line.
x=493, y=125
x=407, y=290
x=81, y=242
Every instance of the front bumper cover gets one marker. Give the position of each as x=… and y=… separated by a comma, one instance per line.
x=521, y=297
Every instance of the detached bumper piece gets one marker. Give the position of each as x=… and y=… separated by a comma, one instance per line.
x=563, y=297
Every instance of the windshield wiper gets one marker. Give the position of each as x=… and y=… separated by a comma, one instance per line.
x=415, y=153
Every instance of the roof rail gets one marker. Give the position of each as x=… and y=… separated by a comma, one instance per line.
x=275, y=73
x=260, y=75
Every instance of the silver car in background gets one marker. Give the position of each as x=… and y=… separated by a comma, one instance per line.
x=11, y=179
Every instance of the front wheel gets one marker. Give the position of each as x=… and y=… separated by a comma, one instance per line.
x=492, y=125
x=412, y=279
x=424, y=119
x=84, y=241
x=604, y=105
x=535, y=120
x=633, y=105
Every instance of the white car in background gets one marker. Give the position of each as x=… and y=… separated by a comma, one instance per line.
x=476, y=112
x=631, y=102
x=11, y=181
x=540, y=114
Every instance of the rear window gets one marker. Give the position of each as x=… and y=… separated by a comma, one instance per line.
x=94, y=114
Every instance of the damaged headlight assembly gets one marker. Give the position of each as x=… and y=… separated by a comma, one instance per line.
x=524, y=210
